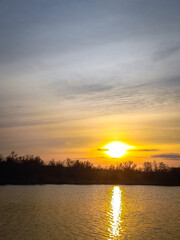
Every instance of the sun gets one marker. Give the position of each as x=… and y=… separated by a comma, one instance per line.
x=116, y=149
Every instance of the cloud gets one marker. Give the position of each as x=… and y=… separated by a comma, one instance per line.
x=169, y=156
x=166, y=52
x=86, y=88
x=119, y=97
x=144, y=150
x=102, y=149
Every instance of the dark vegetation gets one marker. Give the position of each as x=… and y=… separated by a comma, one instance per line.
x=29, y=169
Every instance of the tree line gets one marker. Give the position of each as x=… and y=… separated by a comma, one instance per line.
x=30, y=169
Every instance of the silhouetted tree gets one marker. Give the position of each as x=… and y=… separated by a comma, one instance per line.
x=30, y=169
x=147, y=166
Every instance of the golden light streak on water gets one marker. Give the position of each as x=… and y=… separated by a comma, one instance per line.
x=115, y=221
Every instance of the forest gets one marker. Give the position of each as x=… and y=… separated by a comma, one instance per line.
x=30, y=169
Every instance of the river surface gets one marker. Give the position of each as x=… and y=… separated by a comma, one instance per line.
x=70, y=212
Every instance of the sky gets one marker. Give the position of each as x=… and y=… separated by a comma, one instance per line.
x=76, y=75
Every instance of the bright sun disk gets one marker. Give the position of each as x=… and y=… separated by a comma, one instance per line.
x=116, y=149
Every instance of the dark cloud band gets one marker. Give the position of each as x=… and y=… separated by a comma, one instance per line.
x=169, y=156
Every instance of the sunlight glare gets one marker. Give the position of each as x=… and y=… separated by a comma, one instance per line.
x=116, y=149
x=115, y=213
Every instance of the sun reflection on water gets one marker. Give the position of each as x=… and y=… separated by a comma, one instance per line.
x=115, y=221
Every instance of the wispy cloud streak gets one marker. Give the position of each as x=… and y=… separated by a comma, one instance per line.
x=169, y=156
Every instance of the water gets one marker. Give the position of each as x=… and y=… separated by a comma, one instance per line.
x=70, y=212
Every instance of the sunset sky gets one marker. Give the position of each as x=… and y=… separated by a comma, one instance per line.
x=76, y=75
